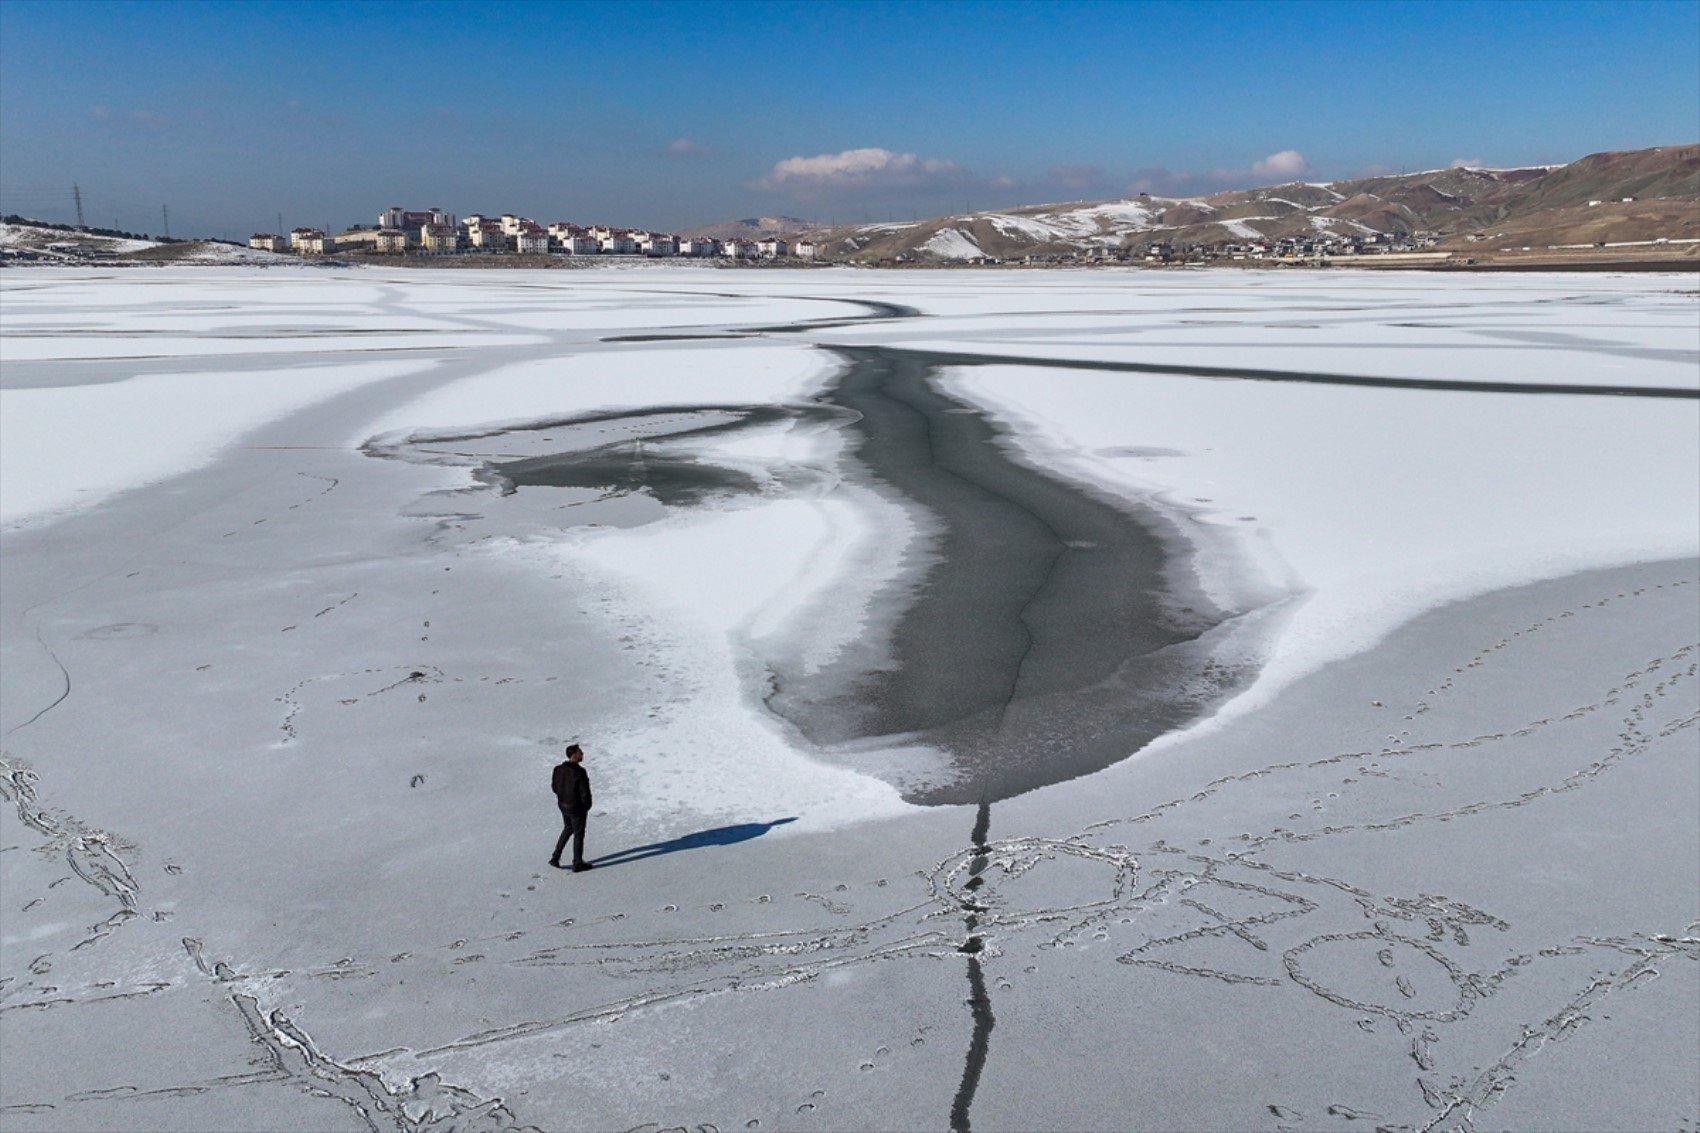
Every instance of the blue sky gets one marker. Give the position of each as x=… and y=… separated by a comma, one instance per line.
x=671, y=114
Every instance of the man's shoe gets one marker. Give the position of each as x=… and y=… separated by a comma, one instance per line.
x=556, y=862
x=580, y=867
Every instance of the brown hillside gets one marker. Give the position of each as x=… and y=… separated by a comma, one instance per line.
x=1530, y=207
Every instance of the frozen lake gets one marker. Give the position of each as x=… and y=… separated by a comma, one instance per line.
x=1014, y=699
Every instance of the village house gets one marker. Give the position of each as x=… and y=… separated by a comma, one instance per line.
x=486, y=234
x=412, y=222
x=310, y=241
x=531, y=240
x=440, y=238
x=372, y=240
x=356, y=239
x=803, y=249
x=573, y=239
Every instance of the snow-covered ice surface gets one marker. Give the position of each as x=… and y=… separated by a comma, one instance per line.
x=1014, y=699
x=144, y=429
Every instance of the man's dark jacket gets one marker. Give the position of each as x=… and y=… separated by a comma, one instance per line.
x=572, y=786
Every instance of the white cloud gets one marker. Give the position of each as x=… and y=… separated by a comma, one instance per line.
x=859, y=169
x=1287, y=163
x=685, y=147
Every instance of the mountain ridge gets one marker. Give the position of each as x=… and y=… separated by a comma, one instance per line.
x=1638, y=196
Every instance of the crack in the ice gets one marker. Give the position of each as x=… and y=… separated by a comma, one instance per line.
x=979, y=1001
x=1460, y=385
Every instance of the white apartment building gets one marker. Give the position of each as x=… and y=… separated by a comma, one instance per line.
x=440, y=237
x=531, y=241
x=803, y=249
x=372, y=240
x=773, y=247
x=268, y=242
x=573, y=239
x=657, y=243
x=738, y=249
x=413, y=221
x=619, y=244
x=699, y=246
x=486, y=234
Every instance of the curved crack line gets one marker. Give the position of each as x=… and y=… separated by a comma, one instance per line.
x=65, y=675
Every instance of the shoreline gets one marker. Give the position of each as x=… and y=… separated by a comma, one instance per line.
x=1460, y=261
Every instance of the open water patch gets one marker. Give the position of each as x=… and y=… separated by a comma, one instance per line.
x=1043, y=629
x=1046, y=634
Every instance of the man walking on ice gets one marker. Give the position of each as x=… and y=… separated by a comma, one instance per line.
x=572, y=793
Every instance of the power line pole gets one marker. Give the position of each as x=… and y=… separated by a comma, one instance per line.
x=280, y=231
x=77, y=192
x=165, y=214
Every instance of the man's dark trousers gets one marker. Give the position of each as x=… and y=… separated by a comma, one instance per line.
x=572, y=826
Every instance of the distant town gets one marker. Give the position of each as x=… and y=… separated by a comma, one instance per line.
x=436, y=232
x=1619, y=210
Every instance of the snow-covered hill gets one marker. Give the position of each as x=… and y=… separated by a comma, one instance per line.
x=43, y=243
x=1635, y=195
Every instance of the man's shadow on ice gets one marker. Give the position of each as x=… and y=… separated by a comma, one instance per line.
x=719, y=836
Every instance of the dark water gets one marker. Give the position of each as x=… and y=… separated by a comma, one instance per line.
x=645, y=463
x=1044, y=641
x=1044, y=637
